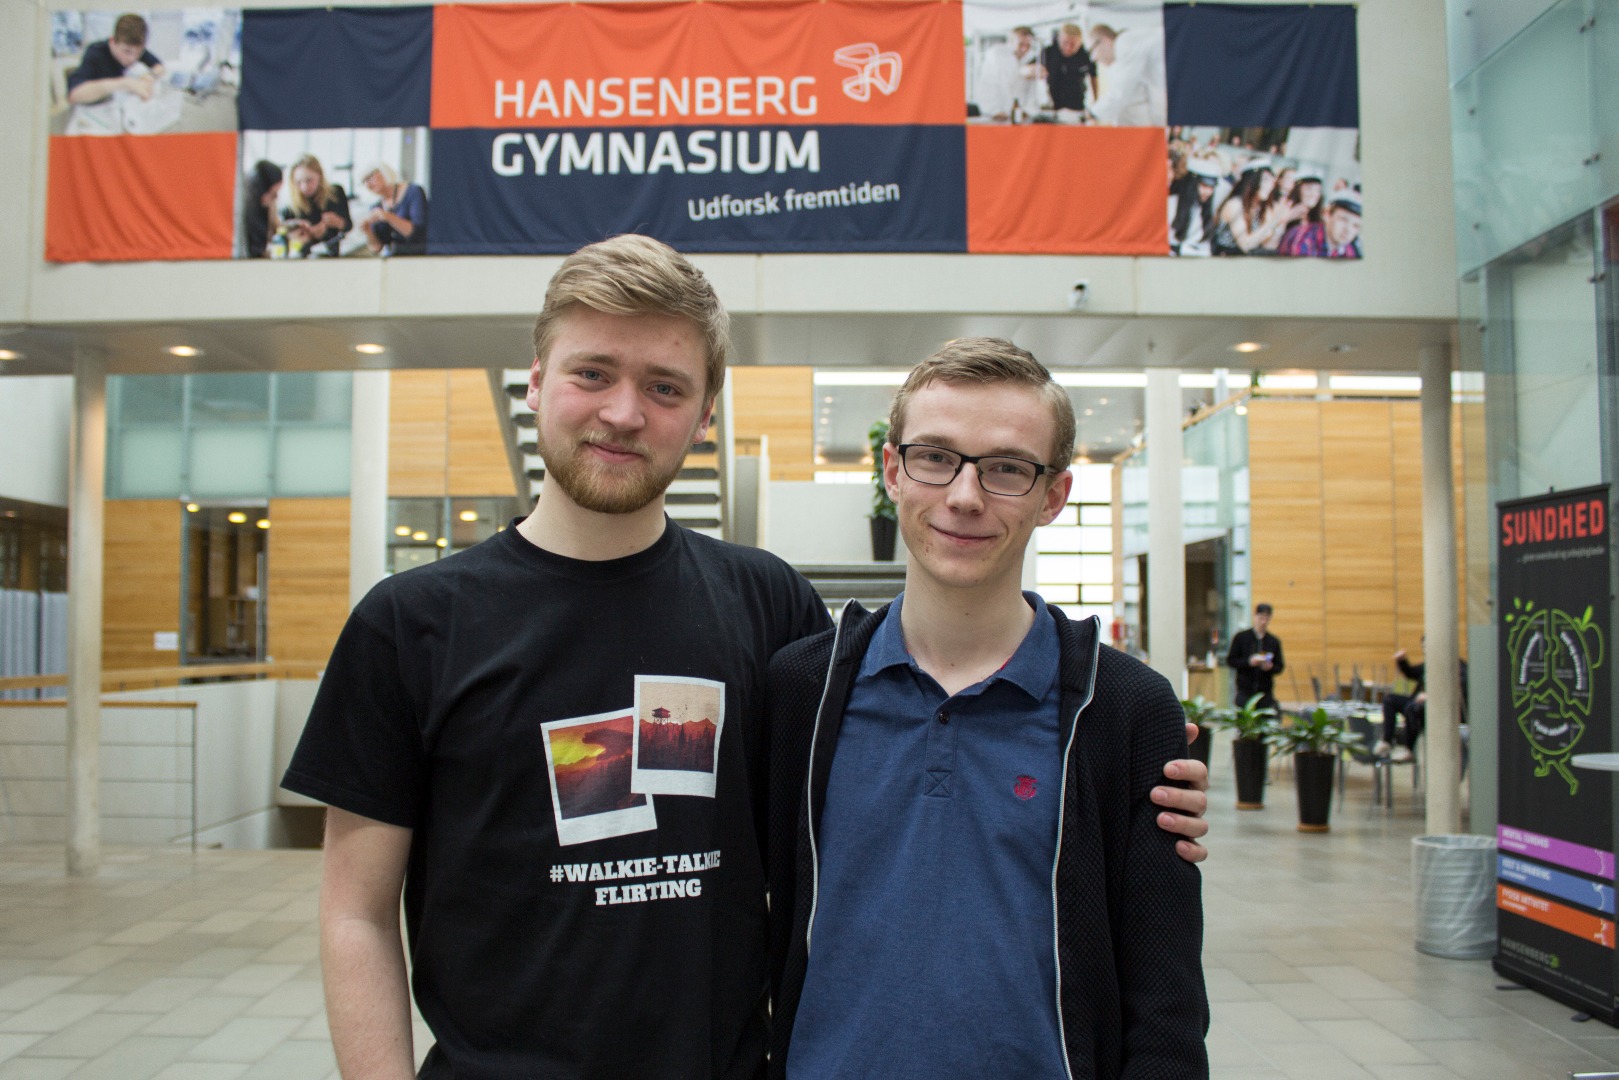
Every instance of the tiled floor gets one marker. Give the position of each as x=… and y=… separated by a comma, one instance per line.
x=177, y=967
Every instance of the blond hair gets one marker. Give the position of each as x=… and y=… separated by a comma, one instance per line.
x=989, y=361
x=323, y=196
x=637, y=275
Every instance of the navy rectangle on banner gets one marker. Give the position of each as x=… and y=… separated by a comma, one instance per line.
x=833, y=188
x=337, y=68
x=1262, y=65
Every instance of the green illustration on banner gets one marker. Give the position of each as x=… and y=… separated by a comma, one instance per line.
x=1553, y=656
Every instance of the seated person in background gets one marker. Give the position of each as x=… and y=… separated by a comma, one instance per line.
x=101, y=73
x=319, y=213
x=259, y=194
x=1413, y=707
x=397, y=225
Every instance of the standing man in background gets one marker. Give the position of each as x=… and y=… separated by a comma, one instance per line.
x=1257, y=656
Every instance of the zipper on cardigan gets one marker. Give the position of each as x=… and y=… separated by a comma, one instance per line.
x=1062, y=808
x=809, y=779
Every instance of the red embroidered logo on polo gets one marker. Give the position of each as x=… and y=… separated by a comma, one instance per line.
x=1024, y=788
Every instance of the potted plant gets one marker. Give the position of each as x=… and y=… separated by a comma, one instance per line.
x=1200, y=711
x=884, y=518
x=1315, y=740
x=1250, y=725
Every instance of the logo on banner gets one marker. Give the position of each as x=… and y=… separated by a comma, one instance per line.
x=872, y=68
x=1553, y=657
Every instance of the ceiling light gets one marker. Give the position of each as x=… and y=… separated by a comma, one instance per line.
x=370, y=348
x=1289, y=382
x=7, y=354
x=418, y=536
x=184, y=350
x=1101, y=401
x=401, y=530
x=1090, y=412
x=263, y=523
x=1406, y=383
x=236, y=517
x=1242, y=410
x=1247, y=346
x=441, y=542
x=1107, y=379
x=468, y=515
x=1197, y=382
x=860, y=378
x=192, y=508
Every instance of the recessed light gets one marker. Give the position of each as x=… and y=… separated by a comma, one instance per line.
x=183, y=350
x=1247, y=346
x=1242, y=410
x=442, y=542
x=418, y=536
x=192, y=508
x=401, y=530
x=370, y=348
x=263, y=523
x=468, y=515
x=236, y=517
x=7, y=354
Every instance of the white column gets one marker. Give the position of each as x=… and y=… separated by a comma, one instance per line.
x=1441, y=741
x=368, y=483
x=85, y=538
x=1166, y=551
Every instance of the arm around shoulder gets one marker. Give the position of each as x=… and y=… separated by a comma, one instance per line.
x=362, y=956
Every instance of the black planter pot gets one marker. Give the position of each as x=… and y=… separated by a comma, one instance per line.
x=1248, y=758
x=883, y=532
x=1313, y=774
x=1200, y=746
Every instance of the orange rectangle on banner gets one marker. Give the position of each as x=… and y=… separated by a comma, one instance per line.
x=708, y=64
x=138, y=197
x=1054, y=189
x=1584, y=926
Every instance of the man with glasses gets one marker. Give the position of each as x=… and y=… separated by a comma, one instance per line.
x=968, y=872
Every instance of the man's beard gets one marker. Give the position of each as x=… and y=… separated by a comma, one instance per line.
x=609, y=489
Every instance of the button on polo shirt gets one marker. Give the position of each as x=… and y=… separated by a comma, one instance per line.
x=931, y=951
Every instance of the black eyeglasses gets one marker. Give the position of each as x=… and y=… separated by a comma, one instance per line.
x=997, y=473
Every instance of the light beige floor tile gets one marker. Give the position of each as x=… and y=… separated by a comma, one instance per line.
x=30, y=990
x=160, y=995
x=294, y=1060
x=15, y=1043
x=1350, y=983
x=1413, y=1072
x=1314, y=1060
x=301, y=998
x=255, y=980
x=198, y=1017
x=245, y=1039
x=147, y=933
x=55, y=1012
x=201, y=1070
x=136, y=1058
x=226, y=922
x=1368, y=1042
x=38, y=1068
x=90, y=1037
x=1260, y=1022
x=1308, y=1001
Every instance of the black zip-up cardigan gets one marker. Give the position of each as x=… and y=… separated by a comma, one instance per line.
x=1129, y=910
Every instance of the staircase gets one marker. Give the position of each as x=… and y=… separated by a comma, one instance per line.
x=873, y=584
x=695, y=499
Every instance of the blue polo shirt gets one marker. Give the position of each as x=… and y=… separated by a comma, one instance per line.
x=932, y=951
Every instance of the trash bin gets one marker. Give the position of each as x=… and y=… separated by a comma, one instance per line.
x=1453, y=881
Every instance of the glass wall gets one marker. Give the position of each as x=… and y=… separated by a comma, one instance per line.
x=426, y=530
x=228, y=435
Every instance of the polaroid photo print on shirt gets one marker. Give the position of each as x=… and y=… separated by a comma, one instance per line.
x=589, y=759
x=678, y=723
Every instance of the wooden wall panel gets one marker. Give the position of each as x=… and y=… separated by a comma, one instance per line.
x=1357, y=498
x=141, y=594
x=418, y=434
x=477, y=453
x=778, y=402
x=1407, y=576
x=308, y=593
x=1286, y=542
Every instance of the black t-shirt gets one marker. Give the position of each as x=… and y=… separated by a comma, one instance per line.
x=98, y=62
x=1067, y=77
x=516, y=708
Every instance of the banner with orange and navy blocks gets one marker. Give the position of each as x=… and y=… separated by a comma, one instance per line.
x=733, y=126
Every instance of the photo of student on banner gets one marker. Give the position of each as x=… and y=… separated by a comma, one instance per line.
x=1277, y=192
x=144, y=74
x=1104, y=67
x=343, y=192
